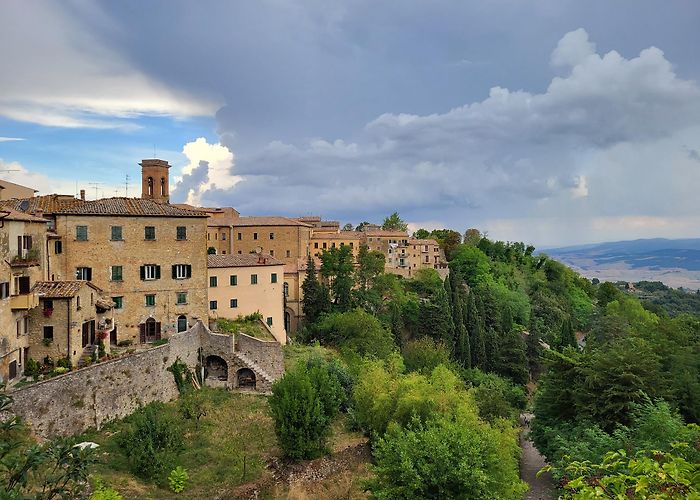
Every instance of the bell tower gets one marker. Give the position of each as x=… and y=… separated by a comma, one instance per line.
x=154, y=180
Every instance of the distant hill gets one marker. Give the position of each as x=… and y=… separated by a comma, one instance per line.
x=673, y=262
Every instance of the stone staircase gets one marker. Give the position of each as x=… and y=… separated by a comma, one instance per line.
x=86, y=357
x=254, y=366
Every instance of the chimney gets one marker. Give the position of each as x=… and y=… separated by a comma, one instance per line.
x=155, y=180
x=82, y=194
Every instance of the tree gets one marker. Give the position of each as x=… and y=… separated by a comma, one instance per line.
x=512, y=358
x=315, y=301
x=448, y=240
x=472, y=323
x=370, y=264
x=421, y=234
x=394, y=223
x=472, y=237
x=607, y=292
x=211, y=251
x=361, y=226
x=435, y=318
x=472, y=265
x=424, y=355
x=337, y=270
x=347, y=227
x=567, y=338
x=357, y=331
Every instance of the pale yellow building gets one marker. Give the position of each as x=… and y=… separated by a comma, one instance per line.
x=244, y=284
x=10, y=190
x=283, y=238
x=321, y=241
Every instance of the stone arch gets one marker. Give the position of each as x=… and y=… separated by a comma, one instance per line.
x=245, y=377
x=149, y=182
x=288, y=321
x=181, y=323
x=216, y=368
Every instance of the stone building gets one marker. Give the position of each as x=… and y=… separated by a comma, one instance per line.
x=72, y=317
x=294, y=275
x=321, y=241
x=22, y=264
x=240, y=285
x=283, y=238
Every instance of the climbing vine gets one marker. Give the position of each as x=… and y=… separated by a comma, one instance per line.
x=181, y=374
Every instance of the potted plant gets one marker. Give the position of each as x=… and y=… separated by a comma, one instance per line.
x=48, y=312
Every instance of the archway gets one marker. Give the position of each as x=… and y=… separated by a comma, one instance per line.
x=181, y=323
x=246, y=378
x=287, y=322
x=216, y=368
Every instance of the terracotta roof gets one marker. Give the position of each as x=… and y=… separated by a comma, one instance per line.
x=12, y=214
x=50, y=203
x=382, y=232
x=268, y=221
x=222, y=221
x=422, y=242
x=130, y=206
x=60, y=289
x=343, y=235
x=243, y=260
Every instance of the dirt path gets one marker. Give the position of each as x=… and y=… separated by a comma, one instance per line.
x=541, y=488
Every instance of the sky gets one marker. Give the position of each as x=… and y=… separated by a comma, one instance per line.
x=553, y=122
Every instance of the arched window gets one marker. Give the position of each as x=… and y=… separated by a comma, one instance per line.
x=150, y=186
x=285, y=288
x=181, y=323
x=162, y=186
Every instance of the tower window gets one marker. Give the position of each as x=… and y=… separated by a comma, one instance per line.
x=150, y=186
x=162, y=186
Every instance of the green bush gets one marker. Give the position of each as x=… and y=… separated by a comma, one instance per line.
x=303, y=404
x=33, y=368
x=424, y=354
x=152, y=441
x=495, y=396
x=356, y=331
x=101, y=351
x=103, y=492
x=124, y=343
x=177, y=480
x=64, y=363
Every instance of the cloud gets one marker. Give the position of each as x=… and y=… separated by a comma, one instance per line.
x=209, y=170
x=10, y=139
x=513, y=152
x=63, y=76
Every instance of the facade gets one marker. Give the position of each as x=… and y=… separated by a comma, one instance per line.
x=22, y=264
x=244, y=284
x=321, y=241
x=282, y=238
x=71, y=316
x=10, y=190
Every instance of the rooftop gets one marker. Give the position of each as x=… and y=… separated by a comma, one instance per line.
x=8, y=213
x=268, y=221
x=60, y=289
x=342, y=235
x=382, y=232
x=422, y=242
x=242, y=260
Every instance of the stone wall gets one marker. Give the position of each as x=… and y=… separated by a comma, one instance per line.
x=266, y=354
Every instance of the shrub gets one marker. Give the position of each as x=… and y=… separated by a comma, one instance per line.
x=177, y=480
x=357, y=331
x=495, y=396
x=103, y=492
x=33, y=368
x=101, y=351
x=152, y=441
x=302, y=404
x=64, y=363
x=124, y=343
x=193, y=406
x=424, y=354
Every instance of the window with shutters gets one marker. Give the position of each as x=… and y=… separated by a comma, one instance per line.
x=234, y=303
x=116, y=273
x=116, y=233
x=285, y=289
x=233, y=280
x=150, y=300
x=58, y=247
x=150, y=272
x=81, y=233
x=182, y=271
x=181, y=298
x=269, y=321
x=213, y=305
x=24, y=245
x=48, y=333
x=4, y=289
x=273, y=278
x=255, y=236
x=253, y=279
x=181, y=233
x=22, y=285
x=118, y=302
x=272, y=236
x=150, y=232
x=213, y=281
x=83, y=273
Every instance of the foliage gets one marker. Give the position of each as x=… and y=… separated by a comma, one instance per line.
x=211, y=251
x=424, y=355
x=316, y=300
x=151, y=442
x=177, y=480
x=101, y=491
x=33, y=368
x=471, y=264
x=370, y=264
x=421, y=234
x=394, y=223
x=447, y=239
x=495, y=396
x=647, y=474
x=181, y=374
x=357, y=331
x=193, y=406
x=337, y=271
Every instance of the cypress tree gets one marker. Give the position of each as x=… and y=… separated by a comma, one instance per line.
x=316, y=300
x=473, y=325
x=568, y=338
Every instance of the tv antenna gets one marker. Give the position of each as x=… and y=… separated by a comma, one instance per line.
x=95, y=185
x=126, y=185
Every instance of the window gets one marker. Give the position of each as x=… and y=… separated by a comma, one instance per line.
x=253, y=279
x=77, y=302
x=150, y=232
x=116, y=273
x=234, y=303
x=273, y=278
x=58, y=247
x=333, y=245
x=48, y=333
x=22, y=285
x=150, y=186
x=4, y=289
x=118, y=302
x=213, y=281
x=285, y=289
x=18, y=327
x=162, y=186
x=255, y=236
x=316, y=244
x=233, y=280
x=272, y=253
x=182, y=271
x=150, y=272
x=351, y=244
x=83, y=273
x=240, y=236
x=272, y=236
x=213, y=305
x=269, y=321
x=81, y=233
x=182, y=297
x=24, y=244
x=289, y=253
x=325, y=245
x=150, y=300
x=223, y=236
x=117, y=233
x=181, y=233
x=181, y=323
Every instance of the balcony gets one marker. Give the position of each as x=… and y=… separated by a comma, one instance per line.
x=25, y=301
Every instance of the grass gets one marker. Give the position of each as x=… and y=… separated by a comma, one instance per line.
x=250, y=327
x=294, y=353
x=235, y=426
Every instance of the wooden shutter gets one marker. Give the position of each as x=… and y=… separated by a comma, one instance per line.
x=23, y=285
x=19, y=246
x=142, y=333
x=142, y=270
x=157, y=272
x=29, y=243
x=189, y=271
x=158, y=330
x=174, y=271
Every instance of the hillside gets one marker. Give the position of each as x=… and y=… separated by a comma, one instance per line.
x=673, y=262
